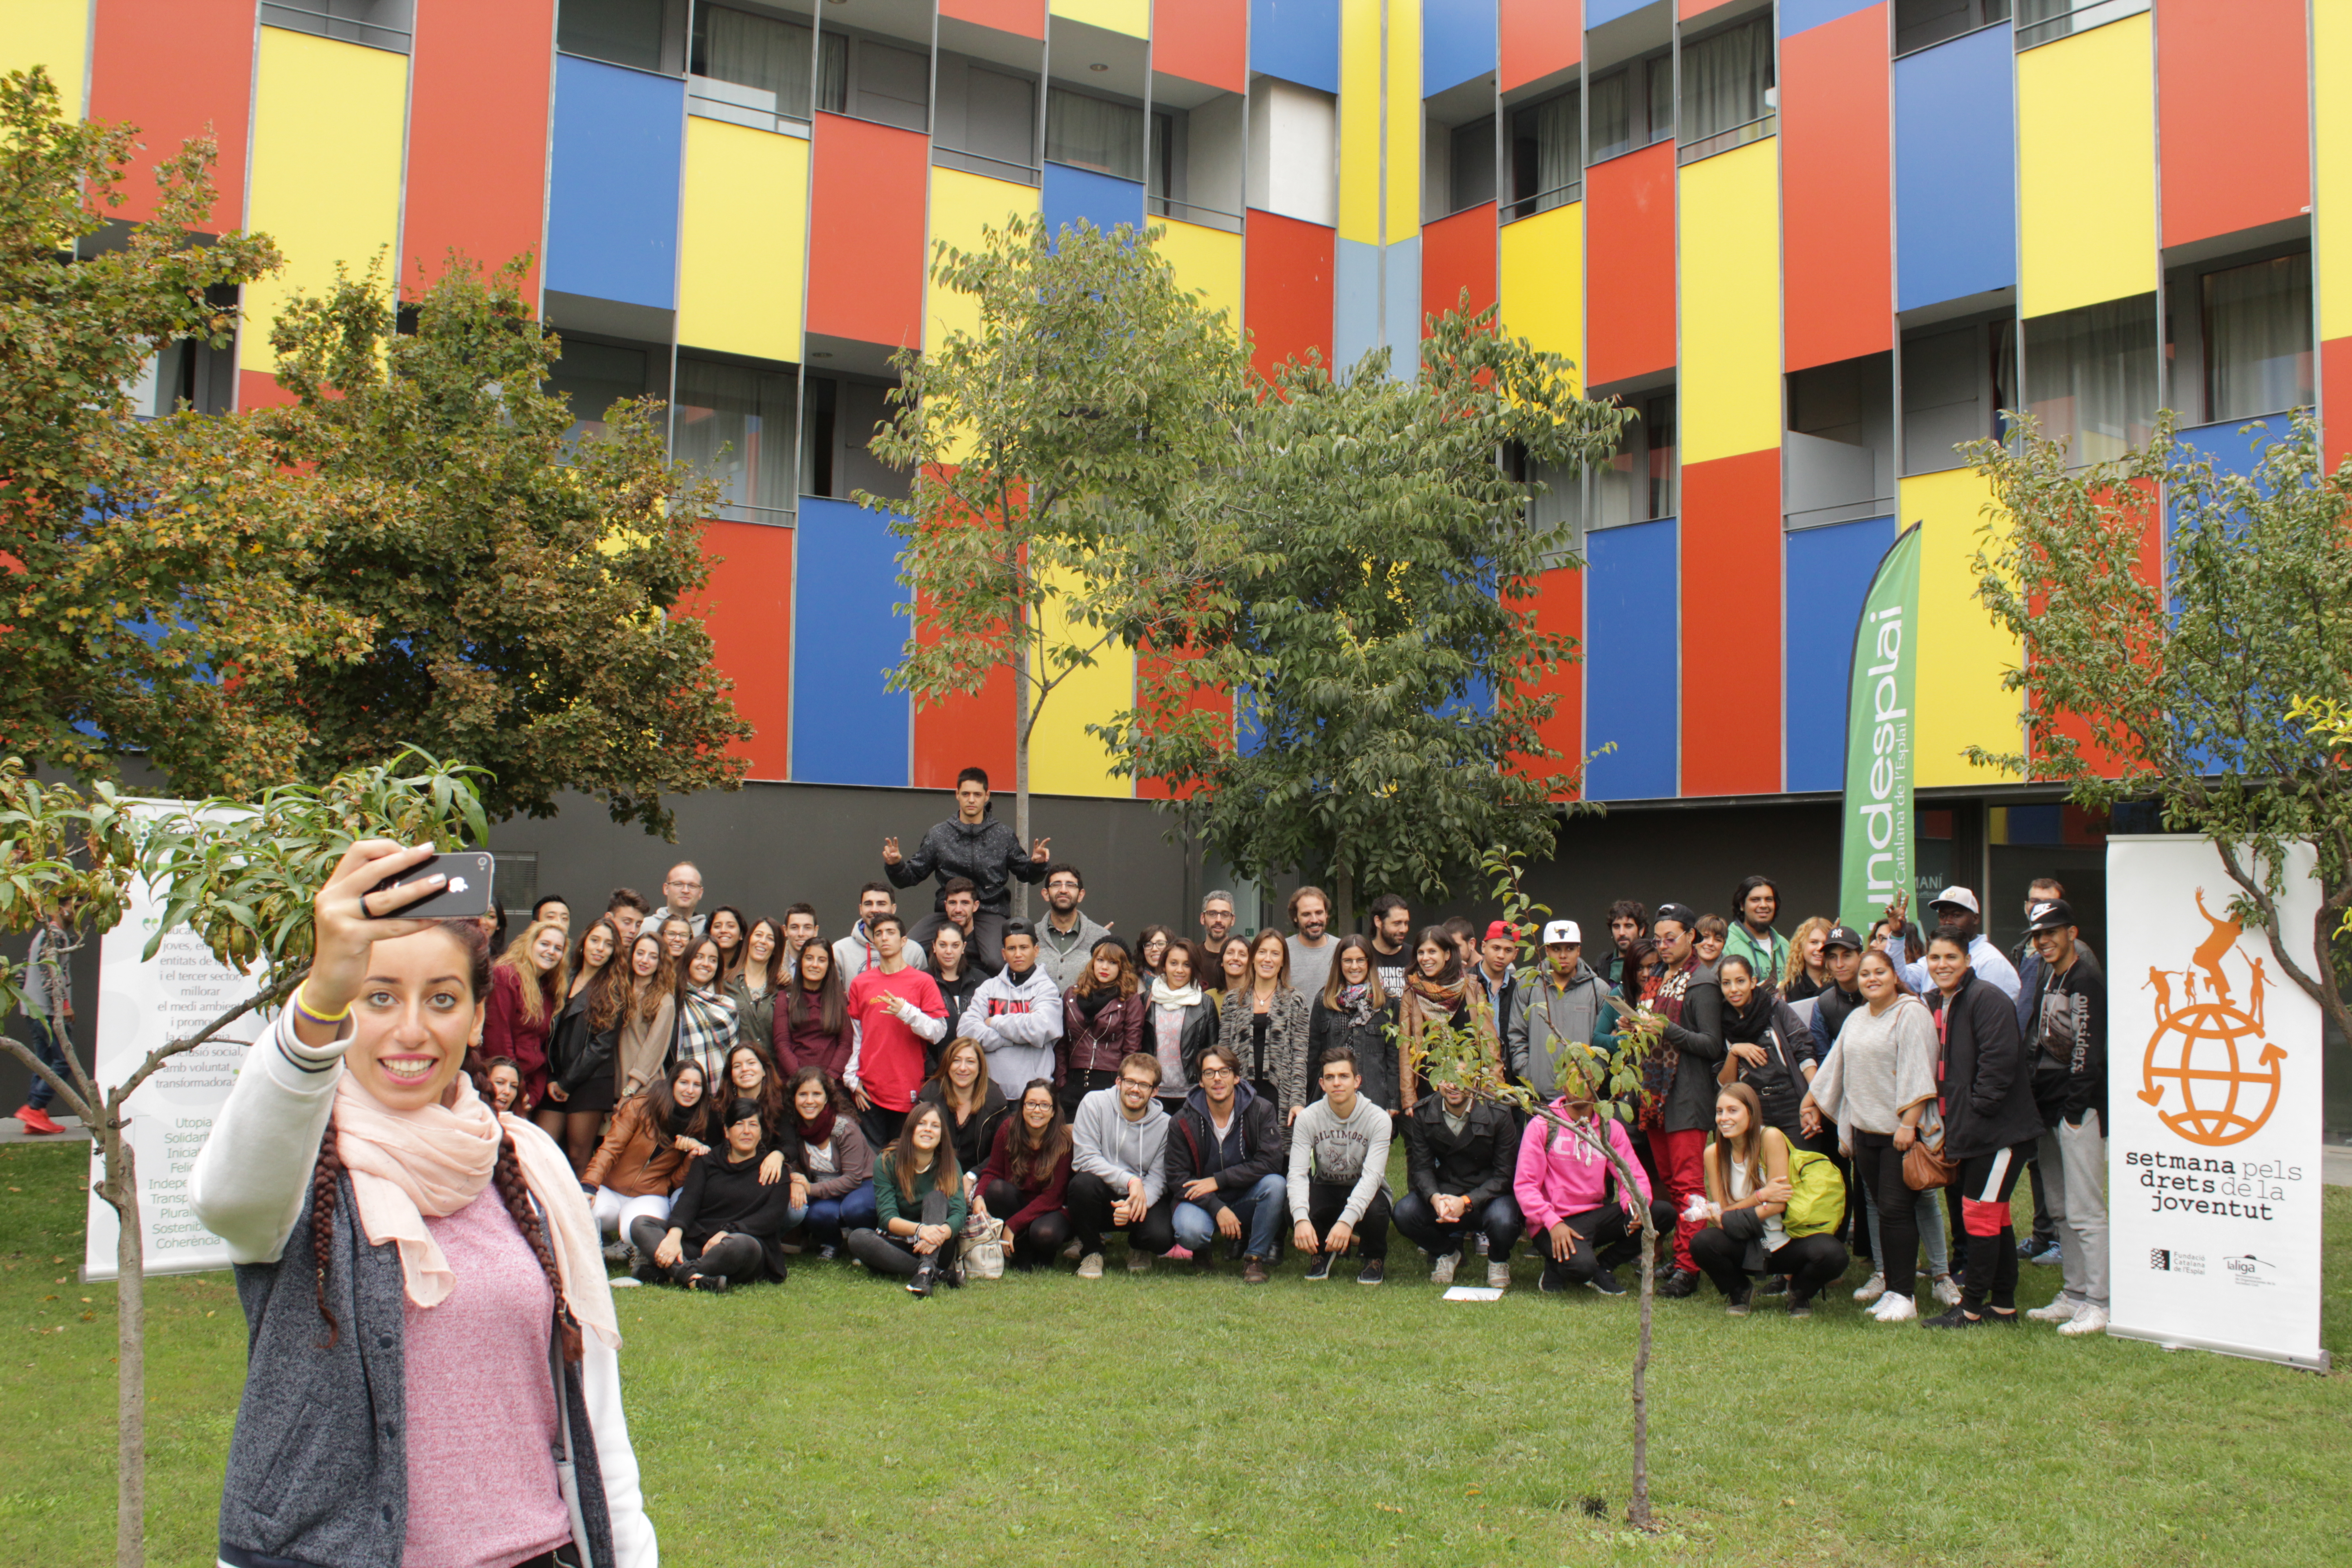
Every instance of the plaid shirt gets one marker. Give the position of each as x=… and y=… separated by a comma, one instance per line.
x=705, y=1032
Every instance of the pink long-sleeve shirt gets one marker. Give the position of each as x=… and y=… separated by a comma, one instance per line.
x=1559, y=1174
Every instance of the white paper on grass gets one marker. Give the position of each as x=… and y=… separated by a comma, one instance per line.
x=1472, y=1293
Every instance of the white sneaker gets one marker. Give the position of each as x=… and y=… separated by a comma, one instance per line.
x=1892, y=1309
x=2061, y=1311
x=1441, y=1272
x=1498, y=1276
x=1090, y=1265
x=2089, y=1321
x=1873, y=1289
x=1138, y=1261
x=1945, y=1291
x=1071, y=1250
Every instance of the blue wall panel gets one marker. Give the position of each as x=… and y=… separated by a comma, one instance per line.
x=1400, y=308
x=1457, y=42
x=612, y=183
x=1632, y=584
x=1599, y=12
x=1828, y=574
x=846, y=729
x=1355, y=301
x=1798, y=16
x=1297, y=40
x=1105, y=202
x=1956, y=168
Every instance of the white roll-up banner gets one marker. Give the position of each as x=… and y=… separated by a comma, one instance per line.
x=2213, y=1096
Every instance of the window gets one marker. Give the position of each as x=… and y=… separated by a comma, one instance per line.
x=2090, y=377
x=1642, y=480
x=1470, y=166
x=595, y=376
x=771, y=55
x=621, y=32
x=2257, y=321
x=1956, y=380
x=997, y=123
x=1089, y=133
x=1838, y=451
x=734, y=423
x=2047, y=21
x=1611, y=117
x=1633, y=107
x=1660, y=72
x=1197, y=161
x=1726, y=80
x=1922, y=24
x=378, y=24
x=892, y=85
x=1547, y=155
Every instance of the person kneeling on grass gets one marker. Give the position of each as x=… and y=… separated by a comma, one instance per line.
x=1750, y=1172
x=919, y=1193
x=1339, y=1160
x=726, y=1226
x=1226, y=1162
x=1118, y=1169
x=1575, y=1201
x=1459, y=1156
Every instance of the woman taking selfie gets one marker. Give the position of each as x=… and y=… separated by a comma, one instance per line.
x=919, y=1197
x=705, y=1022
x=643, y=1158
x=828, y=1150
x=527, y=990
x=753, y=985
x=1265, y=1020
x=1027, y=1177
x=431, y=1333
x=586, y=1040
x=812, y=1024
x=1749, y=1180
x=648, y=1026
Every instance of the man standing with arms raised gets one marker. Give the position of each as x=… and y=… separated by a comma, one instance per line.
x=972, y=844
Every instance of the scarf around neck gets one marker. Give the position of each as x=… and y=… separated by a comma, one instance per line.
x=1662, y=993
x=1165, y=996
x=1357, y=1000
x=408, y=1165
x=818, y=1128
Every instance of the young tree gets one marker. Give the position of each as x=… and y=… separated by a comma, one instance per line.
x=523, y=592
x=1377, y=629
x=147, y=599
x=239, y=874
x=1052, y=451
x=2209, y=692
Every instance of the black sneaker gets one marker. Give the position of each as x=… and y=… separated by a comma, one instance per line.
x=1952, y=1318
x=1607, y=1283
x=1321, y=1267
x=1737, y=1306
x=714, y=1283
x=2002, y=1320
x=647, y=1273
x=1679, y=1283
x=1374, y=1270
x=1798, y=1308
x=1776, y=1285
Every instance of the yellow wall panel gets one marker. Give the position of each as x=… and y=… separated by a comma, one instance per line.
x=1063, y=757
x=1360, y=121
x=963, y=205
x=1962, y=653
x=327, y=133
x=1405, y=145
x=51, y=32
x=2331, y=50
x=741, y=242
x=2086, y=169
x=1132, y=17
x=1730, y=268
x=1208, y=261
x=1543, y=282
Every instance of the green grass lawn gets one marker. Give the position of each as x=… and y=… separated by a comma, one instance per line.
x=1173, y=1418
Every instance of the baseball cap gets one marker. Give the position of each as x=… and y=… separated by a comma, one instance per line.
x=1682, y=915
x=1502, y=931
x=1562, y=931
x=1959, y=896
x=2050, y=914
x=1019, y=927
x=1844, y=936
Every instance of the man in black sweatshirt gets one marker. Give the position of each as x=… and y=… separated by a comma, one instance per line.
x=1228, y=1164
x=1459, y=1158
x=2068, y=1048
x=973, y=845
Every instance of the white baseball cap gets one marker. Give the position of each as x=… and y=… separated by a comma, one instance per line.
x=1959, y=896
x=1562, y=931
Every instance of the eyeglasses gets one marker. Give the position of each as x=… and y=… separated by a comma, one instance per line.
x=681, y=885
x=1208, y=1073
x=1142, y=1083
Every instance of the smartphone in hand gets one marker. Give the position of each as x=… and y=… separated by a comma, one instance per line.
x=466, y=896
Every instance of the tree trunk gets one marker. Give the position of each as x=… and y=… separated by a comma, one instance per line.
x=1021, y=766
x=1343, y=899
x=120, y=1190
x=1637, y=1512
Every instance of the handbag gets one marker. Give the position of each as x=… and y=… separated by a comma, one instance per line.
x=1925, y=1168
x=980, y=1249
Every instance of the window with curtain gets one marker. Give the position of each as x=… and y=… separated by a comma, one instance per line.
x=2090, y=377
x=1547, y=155
x=1612, y=125
x=1470, y=175
x=766, y=53
x=1641, y=480
x=1725, y=78
x=1662, y=97
x=735, y=425
x=595, y=376
x=2258, y=338
x=1088, y=133
x=1921, y=24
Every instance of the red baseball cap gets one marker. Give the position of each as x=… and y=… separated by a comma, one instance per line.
x=1502, y=931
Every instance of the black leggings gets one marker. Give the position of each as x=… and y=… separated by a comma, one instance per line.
x=1982, y=1191
x=1605, y=1238
x=1810, y=1262
x=1091, y=1200
x=886, y=1254
x=1041, y=1239
x=1877, y=1161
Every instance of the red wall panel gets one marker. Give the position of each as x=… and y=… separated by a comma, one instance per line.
x=476, y=137
x=175, y=69
x=748, y=608
x=1837, y=216
x=2335, y=400
x=1559, y=609
x=1629, y=214
x=1731, y=555
x=259, y=389
x=1204, y=41
x=1539, y=37
x=1026, y=17
x=871, y=186
x=2234, y=118
x=1287, y=289
x=1148, y=662
x=1458, y=253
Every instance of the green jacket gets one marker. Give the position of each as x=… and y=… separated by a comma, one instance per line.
x=1769, y=960
x=890, y=1204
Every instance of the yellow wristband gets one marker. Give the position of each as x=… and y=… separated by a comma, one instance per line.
x=305, y=1009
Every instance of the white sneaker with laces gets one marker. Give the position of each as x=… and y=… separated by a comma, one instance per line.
x=2061, y=1311
x=1090, y=1265
x=1892, y=1309
x=2089, y=1321
x=1873, y=1289
x=1498, y=1276
x=1441, y=1272
x=1946, y=1291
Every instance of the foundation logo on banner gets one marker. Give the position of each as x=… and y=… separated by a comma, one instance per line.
x=2209, y=1073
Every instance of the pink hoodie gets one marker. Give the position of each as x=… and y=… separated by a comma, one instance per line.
x=1568, y=1176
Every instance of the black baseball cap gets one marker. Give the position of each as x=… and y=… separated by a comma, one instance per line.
x=1019, y=927
x=1682, y=915
x=2050, y=914
x=1844, y=936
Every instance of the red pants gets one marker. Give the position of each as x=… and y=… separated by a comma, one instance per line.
x=1679, y=1158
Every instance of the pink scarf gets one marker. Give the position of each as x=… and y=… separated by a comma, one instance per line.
x=406, y=1165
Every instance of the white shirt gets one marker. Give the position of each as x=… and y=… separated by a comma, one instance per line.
x=1983, y=957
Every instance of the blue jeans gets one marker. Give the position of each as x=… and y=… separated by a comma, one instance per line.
x=48, y=1045
x=1500, y=1219
x=1261, y=1211
x=830, y=1219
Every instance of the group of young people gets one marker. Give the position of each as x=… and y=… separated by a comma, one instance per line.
x=733, y=1091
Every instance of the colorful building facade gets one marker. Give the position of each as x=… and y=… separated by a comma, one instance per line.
x=1813, y=245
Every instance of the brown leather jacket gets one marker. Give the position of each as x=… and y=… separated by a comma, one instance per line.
x=631, y=1160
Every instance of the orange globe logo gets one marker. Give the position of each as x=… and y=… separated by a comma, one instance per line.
x=2208, y=1072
